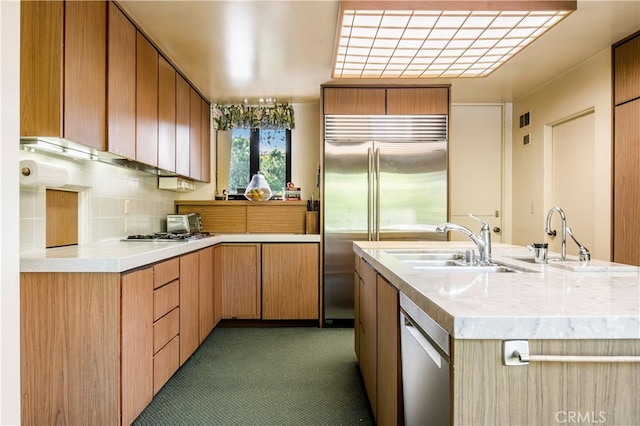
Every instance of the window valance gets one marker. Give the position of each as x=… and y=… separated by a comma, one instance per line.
x=278, y=116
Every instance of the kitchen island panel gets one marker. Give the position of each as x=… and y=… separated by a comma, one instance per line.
x=487, y=392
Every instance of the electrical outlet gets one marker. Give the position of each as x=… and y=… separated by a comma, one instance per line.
x=126, y=224
x=126, y=206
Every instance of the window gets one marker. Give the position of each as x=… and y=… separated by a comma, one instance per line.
x=264, y=150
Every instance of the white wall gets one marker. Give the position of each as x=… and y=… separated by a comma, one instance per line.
x=586, y=86
x=9, y=217
x=104, y=189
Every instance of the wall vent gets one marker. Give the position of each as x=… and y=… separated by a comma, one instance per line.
x=526, y=139
x=525, y=119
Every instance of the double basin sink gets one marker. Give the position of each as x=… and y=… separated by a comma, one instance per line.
x=446, y=261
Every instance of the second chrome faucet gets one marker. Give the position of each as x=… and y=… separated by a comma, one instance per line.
x=584, y=254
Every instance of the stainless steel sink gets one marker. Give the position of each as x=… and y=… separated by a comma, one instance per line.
x=444, y=261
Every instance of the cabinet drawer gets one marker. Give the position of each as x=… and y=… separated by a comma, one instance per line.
x=165, y=329
x=166, y=272
x=165, y=363
x=165, y=299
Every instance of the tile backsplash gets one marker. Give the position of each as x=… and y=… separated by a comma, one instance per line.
x=104, y=190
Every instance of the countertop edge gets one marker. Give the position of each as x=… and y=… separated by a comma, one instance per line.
x=118, y=256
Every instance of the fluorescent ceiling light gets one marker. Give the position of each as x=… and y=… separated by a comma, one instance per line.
x=415, y=39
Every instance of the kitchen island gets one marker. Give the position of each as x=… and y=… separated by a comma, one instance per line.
x=562, y=309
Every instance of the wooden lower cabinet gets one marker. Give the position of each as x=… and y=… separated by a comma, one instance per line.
x=137, y=343
x=238, y=272
x=290, y=281
x=189, y=305
x=368, y=332
x=389, y=385
x=206, y=293
x=70, y=343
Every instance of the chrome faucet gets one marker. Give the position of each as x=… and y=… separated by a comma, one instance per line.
x=552, y=233
x=583, y=253
x=482, y=240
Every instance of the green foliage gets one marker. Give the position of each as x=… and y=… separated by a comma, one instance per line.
x=239, y=169
x=272, y=166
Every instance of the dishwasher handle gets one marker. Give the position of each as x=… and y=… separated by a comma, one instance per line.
x=423, y=340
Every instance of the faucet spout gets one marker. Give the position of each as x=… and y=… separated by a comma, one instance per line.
x=552, y=232
x=482, y=241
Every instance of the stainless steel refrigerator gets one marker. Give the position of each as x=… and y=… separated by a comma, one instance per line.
x=385, y=178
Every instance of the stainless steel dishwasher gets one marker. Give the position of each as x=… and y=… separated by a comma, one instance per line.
x=425, y=367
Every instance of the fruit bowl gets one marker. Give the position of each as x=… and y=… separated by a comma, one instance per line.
x=258, y=194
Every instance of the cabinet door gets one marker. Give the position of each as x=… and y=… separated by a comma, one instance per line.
x=121, y=84
x=146, y=102
x=417, y=100
x=205, y=142
x=238, y=272
x=289, y=281
x=356, y=312
x=41, y=67
x=183, y=102
x=353, y=101
x=137, y=343
x=166, y=115
x=85, y=68
x=195, y=142
x=626, y=74
x=206, y=292
x=388, y=336
x=368, y=336
x=189, y=305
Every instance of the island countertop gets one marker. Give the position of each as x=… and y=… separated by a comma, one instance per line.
x=120, y=256
x=561, y=300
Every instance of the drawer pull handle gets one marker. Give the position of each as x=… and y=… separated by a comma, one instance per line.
x=516, y=352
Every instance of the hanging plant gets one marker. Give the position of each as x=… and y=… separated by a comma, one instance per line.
x=278, y=116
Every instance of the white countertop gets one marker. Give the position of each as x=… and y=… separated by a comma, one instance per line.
x=120, y=256
x=555, y=301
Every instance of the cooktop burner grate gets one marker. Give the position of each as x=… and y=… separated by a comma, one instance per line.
x=167, y=236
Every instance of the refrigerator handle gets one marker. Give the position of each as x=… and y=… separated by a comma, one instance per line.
x=369, y=195
x=377, y=196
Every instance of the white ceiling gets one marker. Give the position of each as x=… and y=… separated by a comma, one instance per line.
x=283, y=49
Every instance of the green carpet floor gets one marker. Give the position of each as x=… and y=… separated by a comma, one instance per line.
x=265, y=376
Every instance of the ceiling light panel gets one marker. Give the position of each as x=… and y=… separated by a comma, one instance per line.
x=376, y=43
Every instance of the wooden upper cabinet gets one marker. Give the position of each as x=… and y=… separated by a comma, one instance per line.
x=121, y=84
x=63, y=70
x=166, y=115
x=353, y=101
x=627, y=64
x=417, y=100
x=195, y=135
x=205, y=139
x=85, y=73
x=146, y=102
x=183, y=116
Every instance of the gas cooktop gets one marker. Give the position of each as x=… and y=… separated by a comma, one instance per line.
x=167, y=237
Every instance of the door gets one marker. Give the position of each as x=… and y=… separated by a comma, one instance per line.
x=573, y=181
x=346, y=219
x=475, y=155
x=410, y=188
